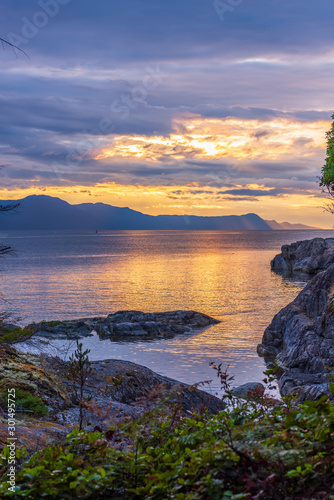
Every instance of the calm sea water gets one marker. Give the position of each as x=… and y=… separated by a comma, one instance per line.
x=225, y=274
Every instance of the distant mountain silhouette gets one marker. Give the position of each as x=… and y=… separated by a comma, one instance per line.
x=287, y=225
x=45, y=212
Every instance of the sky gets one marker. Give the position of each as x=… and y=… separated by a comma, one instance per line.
x=182, y=107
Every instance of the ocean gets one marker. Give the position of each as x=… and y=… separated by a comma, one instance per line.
x=226, y=274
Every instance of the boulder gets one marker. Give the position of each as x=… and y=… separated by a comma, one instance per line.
x=307, y=256
x=301, y=339
x=249, y=390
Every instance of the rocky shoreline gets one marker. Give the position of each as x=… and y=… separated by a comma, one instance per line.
x=301, y=336
x=307, y=256
x=115, y=392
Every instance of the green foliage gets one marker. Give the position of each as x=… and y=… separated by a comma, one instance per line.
x=10, y=335
x=327, y=172
x=26, y=402
x=50, y=323
x=263, y=451
x=15, y=335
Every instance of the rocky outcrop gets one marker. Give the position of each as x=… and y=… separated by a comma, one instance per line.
x=308, y=256
x=115, y=392
x=127, y=324
x=124, y=389
x=29, y=373
x=301, y=339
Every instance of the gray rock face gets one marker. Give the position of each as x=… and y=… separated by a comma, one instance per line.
x=124, y=389
x=301, y=338
x=119, y=392
x=127, y=324
x=308, y=256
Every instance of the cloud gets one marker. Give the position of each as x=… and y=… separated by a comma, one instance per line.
x=168, y=94
x=133, y=31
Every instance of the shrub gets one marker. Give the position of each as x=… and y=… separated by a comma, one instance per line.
x=261, y=449
x=252, y=451
x=26, y=402
x=10, y=336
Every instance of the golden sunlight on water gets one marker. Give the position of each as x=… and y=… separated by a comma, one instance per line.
x=224, y=274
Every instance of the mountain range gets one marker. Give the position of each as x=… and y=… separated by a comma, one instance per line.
x=45, y=212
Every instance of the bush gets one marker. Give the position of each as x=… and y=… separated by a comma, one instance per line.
x=9, y=336
x=26, y=402
x=250, y=451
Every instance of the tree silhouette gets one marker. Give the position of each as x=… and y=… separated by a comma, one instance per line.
x=14, y=47
x=6, y=208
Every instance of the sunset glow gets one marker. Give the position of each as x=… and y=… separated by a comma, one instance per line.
x=185, y=117
x=238, y=139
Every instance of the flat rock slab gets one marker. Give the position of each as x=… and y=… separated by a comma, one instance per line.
x=128, y=325
x=301, y=339
x=307, y=256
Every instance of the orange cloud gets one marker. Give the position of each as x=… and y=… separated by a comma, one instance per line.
x=220, y=138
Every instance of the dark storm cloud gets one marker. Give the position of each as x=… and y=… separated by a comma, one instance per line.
x=253, y=192
x=52, y=109
x=261, y=114
x=106, y=31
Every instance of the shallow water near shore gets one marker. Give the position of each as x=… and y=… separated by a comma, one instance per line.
x=226, y=274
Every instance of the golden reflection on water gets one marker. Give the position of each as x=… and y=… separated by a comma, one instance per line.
x=224, y=274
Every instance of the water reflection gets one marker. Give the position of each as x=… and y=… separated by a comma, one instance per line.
x=224, y=274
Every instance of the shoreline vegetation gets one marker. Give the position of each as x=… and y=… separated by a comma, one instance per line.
x=115, y=429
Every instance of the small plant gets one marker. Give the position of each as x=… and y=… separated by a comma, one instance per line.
x=79, y=370
x=26, y=402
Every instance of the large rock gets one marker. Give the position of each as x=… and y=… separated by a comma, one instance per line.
x=115, y=392
x=308, y=256
x=130, y=383
x=119, y=389
x=301, y=338
x=127, y=324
